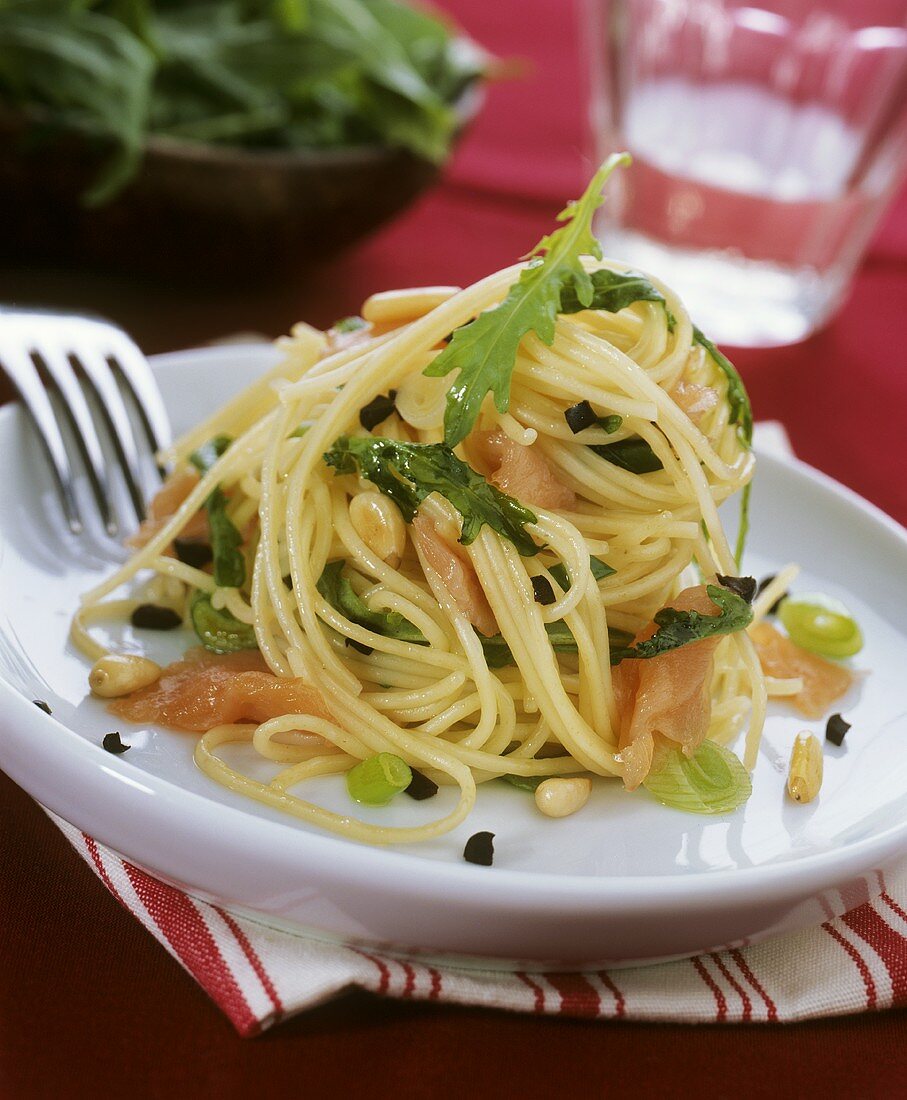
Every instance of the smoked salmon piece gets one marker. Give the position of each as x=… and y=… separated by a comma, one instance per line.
x=823, y=681
x=163, y=507
x=694, y=399
x=206, y=690
x=665, y=697
x=451, y=562
x=521, y=472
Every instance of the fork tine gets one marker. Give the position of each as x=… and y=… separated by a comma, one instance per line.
x=24, y=376
x=134, y=368
x=116, y=418
x=80, y=419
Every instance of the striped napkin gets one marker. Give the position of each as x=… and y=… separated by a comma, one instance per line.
x=259, y=976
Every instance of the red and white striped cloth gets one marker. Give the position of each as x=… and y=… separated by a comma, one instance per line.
x=259, y=976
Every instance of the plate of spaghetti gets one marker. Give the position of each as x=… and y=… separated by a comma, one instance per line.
x=475, y=577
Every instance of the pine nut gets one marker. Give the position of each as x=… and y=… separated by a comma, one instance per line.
x=118, y=674
x=562, y=797
x=377, y=521
x=805, y=776
x=393, y=307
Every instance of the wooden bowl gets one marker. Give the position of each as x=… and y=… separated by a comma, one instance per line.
x=197, y=211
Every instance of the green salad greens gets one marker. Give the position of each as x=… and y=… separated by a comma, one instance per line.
x=276, y=74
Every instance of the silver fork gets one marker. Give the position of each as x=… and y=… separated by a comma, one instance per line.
x=67, y=349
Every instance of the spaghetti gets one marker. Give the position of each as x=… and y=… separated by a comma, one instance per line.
x=417, y=623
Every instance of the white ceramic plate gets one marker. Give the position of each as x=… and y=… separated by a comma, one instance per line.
x=623, y=881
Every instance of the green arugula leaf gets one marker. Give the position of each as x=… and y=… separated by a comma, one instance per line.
x=219, y=631
x=738, y=399
x=597, y=567
x=409, y=472
x=341, y=595
x=633, y=454
x=229, y=563
x=742, y=416
x=208, y=453
x=680, y=628
x=498, y=653
x=484, y=351
x=612, y=291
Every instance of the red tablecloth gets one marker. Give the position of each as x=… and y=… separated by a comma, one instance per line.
x=90, y=1005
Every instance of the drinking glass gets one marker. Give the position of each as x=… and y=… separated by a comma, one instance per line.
x=767, y=138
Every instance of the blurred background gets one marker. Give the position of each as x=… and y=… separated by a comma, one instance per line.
x=194, y=170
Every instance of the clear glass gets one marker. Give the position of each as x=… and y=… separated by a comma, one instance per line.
x=767, y=139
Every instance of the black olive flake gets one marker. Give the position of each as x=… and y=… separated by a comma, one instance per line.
x=744, y=587
x=359, y=647
x=190, y=552
x=288, y=582
x=41, y=705
x=421, y=787
x=378, y=409
x=763, y=584
x=480, y=849
x=835, y=729
x=112, y=743
x=542, y=590
x=149, y=616
x=580, y=416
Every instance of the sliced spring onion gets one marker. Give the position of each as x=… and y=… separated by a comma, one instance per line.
x=712, y=781
x=376, y=780
x=219, y=631
x=821, y=624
